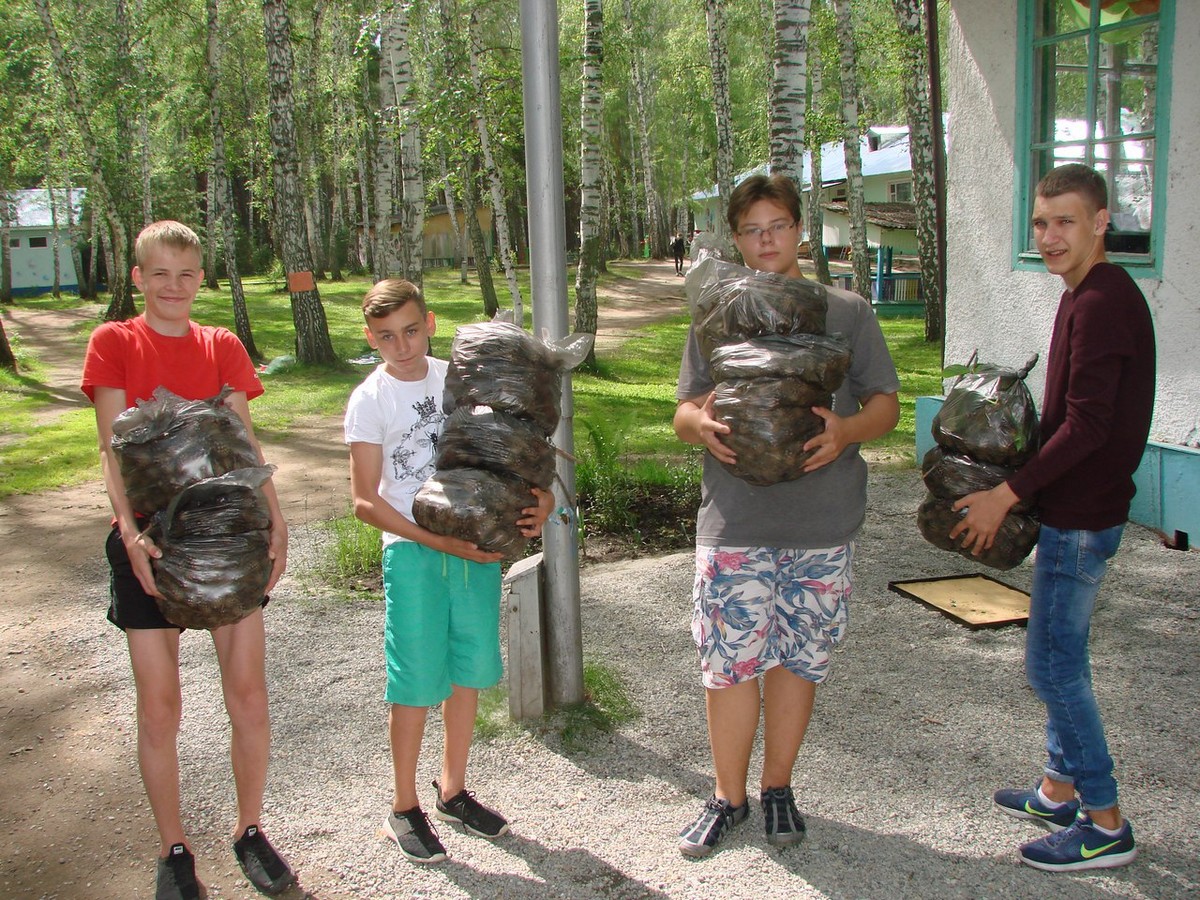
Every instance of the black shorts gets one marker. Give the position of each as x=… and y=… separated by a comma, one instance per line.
x=129, y=606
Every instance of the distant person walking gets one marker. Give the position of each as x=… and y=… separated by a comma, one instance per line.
x=677, y=247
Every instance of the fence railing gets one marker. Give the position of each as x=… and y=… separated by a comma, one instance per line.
x=898, y=287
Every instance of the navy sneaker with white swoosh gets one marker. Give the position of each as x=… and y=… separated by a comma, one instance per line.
x=1026, y=804
x=1082, y=846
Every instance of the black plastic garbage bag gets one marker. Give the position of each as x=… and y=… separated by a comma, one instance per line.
x=767, y=435
x=954, y=475
x=1017, y=536
x=732, y=303
x=484, y=438
x=990, y=415
x=819, y=359
x=477, y=506
x=167, y=443
x=214, y=537
x=499, y=365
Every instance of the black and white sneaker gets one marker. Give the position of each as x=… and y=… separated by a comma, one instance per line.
x=415, y=835
x=783, y=822
x=718, y=816
x=177, y=876
x=463, y=809
x=261, y=863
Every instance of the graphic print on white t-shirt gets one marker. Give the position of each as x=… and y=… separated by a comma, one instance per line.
x=429, y=420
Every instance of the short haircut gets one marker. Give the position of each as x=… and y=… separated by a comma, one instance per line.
x=389, y=295
x=779, y=189
x=1076, y=178
x=165, y=233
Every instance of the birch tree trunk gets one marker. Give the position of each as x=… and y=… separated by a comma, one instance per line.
x=789, y=89
x=7, y=217
x=492, y=172
x=385, y=149
x=411, y=238
x=221, y=212
x=714, y=16
x=655, y=220
x=921, y=143
x=459, y=231
x=312, y=331
x=590, y=174
x=211, y=241
x=816, y=188
x=56, y=290
x=73, y=235
x=147, y=185
x=7, y=359
x=859, y=254
x=482, y=268
x=121, y=303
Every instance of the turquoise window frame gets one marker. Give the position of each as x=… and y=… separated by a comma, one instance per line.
x=1140, y=265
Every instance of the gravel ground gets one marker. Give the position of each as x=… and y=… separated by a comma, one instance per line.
x=921, y=721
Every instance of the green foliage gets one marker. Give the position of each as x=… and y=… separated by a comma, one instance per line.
x=354, y=551
x=605, y=707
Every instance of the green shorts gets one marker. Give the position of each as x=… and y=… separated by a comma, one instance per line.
x=442, y=624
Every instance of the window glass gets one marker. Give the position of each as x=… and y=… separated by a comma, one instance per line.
x=14, y=242
x=1095, y=100
x=37, y=242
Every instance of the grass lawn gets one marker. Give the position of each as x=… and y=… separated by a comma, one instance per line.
x=623, y=409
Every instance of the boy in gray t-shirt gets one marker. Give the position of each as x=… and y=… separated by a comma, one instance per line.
x=773, y=564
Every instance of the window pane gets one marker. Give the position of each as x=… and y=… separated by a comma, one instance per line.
x=37, y=242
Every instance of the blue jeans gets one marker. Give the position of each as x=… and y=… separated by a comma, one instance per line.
x=1067, y=573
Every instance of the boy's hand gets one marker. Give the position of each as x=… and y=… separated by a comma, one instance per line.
x=140, y=551
x=829, y=444
x=277, y=551
x=710, y=430
x=465, y=549
x=536, y=516
x=985, y=513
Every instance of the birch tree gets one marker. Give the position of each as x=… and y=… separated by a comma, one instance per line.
x=491, y=171
x=789, y=89
x=655, y=221
x=921, y=153
x=121, y=303
x=853, y=150
x=814, y=137
x=312, y=331
x=714, y=17
x=590, y=173
x=222, y=195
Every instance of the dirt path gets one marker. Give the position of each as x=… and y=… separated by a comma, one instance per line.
x=74, y=819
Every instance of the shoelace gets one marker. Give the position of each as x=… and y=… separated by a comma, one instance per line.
x=1060, y=837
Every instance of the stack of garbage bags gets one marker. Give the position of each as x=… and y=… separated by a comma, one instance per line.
x=503, y=399
x=189, y=466
x=764, y=337
x=986, y=429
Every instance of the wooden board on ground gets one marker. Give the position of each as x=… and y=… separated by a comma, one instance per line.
x=977, y=601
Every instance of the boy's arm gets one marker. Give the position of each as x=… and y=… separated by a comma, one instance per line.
x=366, y=467
x=878, y=415
x=695, y=424
x=110, y=403
x=278, y=546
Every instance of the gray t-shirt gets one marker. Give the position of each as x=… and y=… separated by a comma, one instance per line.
x=824, y=508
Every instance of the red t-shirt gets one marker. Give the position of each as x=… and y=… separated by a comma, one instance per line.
x=133, y=356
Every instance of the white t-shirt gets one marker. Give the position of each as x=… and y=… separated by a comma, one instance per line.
x=405, y=418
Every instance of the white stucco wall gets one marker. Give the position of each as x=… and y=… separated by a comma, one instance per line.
x=1008, y=314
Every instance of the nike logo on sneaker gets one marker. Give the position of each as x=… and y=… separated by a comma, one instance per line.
x=1036, y=812
x=1087, y=852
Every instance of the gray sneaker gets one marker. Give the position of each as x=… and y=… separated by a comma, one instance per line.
x=783, y=822
x=718, y=816
x=415, y=835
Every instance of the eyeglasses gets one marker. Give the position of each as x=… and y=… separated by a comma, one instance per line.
x=776, y=230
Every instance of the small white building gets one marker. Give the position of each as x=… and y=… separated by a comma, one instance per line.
x=31, y=240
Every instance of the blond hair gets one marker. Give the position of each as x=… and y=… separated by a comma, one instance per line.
x=165, y=233
x=389, y=295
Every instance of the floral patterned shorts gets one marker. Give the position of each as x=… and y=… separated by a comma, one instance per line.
x=758, y=607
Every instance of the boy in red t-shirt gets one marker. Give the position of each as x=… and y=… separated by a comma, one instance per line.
x=125, y=362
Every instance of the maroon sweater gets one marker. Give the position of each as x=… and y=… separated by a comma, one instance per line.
x=1097, y=406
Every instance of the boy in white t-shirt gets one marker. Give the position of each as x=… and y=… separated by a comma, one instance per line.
x=442, y=594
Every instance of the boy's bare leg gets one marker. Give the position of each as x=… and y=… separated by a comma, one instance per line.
x=732, y=722
x=458, y=721
x=154, y=657
x=241, y=653
x=787, y=707
x=406, y=728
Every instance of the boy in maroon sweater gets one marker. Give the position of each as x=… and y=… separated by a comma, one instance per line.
x=1096, y=414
